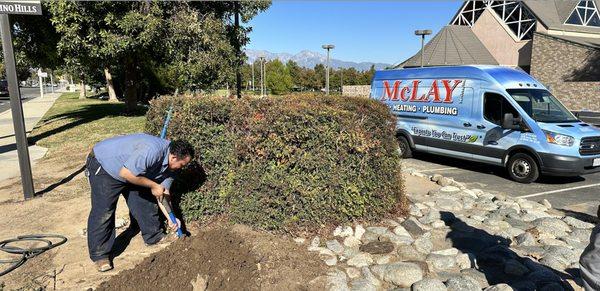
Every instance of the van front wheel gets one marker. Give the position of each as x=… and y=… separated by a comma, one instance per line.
x=404, y=148
x=523, y=168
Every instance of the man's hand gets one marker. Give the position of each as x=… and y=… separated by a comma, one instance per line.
x=173, y=226
x=158, y=191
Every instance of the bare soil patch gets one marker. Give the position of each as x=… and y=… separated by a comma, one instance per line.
x=228, y=258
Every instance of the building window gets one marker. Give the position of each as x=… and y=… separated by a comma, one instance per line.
x=585, y=13
x=515, y=15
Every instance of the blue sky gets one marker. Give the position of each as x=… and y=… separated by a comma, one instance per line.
x=360, y=30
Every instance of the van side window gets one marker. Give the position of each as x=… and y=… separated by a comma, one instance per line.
x=495, y=106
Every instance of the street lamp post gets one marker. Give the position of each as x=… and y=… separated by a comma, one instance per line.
x=422, y=33
x=328, y=47
x=253, y=78
x=262, y=78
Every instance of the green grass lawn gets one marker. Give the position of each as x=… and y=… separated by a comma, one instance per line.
x=72, y=126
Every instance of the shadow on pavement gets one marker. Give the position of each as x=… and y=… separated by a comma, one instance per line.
x=489, y=169
x=582, y=216
x=493, y=256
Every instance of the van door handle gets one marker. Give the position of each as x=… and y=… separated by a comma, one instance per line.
x=481, y=126
x=467, y=124
x=493, y=142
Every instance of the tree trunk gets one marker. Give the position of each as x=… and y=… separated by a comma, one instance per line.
x=112, y=96
x=82, y=93
x=130, y=86
x=238, y=52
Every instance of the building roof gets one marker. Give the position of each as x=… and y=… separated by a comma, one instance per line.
x=587, y=41
x=554, y=13
x=453, y=45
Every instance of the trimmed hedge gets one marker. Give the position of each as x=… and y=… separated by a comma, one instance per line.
x=287, y=161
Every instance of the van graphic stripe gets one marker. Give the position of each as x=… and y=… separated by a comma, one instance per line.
x=460, y=147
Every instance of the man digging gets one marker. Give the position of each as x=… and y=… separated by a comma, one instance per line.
x=142, y=168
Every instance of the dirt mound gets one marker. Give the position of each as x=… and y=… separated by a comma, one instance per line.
x=229, y=258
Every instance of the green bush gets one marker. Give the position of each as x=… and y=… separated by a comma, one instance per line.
x=283, y=162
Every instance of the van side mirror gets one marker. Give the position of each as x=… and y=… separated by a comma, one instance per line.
x=511, y=122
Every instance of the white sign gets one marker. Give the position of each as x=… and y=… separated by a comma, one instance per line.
x=29, y=7
x=43, y=74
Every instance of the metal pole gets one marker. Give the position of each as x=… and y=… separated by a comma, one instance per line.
x=265, y=77
x=51, y=82
x=327, y=75
x=252, y=77
x=422, y=47
x=41, y=81
x=16, y=107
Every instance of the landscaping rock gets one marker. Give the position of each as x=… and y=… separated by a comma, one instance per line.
x=448, y=204
x=408, y=253
x=401, y=231
x=462, y=283
x=343, y=231
x=352, y=241
x=576, y=223
x=449, y=189
x=414, y=227
x=554, y=223
x=423, y=245
x=525, y=239
x=464, y=261
x=440, y=262
x=400, y=274
x=352, y=272
x=447, y=252
x=359, y=230
x=337, y=280
x=299, y=240
x=429, y=284
x=377, y=248
x=315, y=242
x=499, y=287
x=335, y=246
x=360, y=260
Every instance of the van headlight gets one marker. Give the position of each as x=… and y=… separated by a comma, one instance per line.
x=559, y=139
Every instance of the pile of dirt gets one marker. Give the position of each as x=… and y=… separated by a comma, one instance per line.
x=227, y=258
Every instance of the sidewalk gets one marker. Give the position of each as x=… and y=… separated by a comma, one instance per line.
x=33, y=111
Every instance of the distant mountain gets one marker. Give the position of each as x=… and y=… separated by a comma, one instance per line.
x=309, y=59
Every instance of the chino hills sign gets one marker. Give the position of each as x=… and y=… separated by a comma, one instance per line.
x=24, y=7
x=21, y=7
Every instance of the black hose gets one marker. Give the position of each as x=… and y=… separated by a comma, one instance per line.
x=29, y=252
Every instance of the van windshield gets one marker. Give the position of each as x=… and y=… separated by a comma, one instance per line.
x=541, y=105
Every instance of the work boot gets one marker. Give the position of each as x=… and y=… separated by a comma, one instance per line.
x=103, y=265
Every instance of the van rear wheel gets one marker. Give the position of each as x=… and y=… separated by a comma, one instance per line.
x=404, y=148
x=523, y=168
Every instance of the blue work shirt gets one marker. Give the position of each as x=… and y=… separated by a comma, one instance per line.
x=142, y=154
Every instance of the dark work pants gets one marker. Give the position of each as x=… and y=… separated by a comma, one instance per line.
x=143, y=209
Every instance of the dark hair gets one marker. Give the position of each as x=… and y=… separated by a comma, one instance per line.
x=181, y=149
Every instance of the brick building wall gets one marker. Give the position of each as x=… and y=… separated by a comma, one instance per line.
x=356, y=90
x=569, y=69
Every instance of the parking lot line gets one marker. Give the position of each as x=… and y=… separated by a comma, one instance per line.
x=560, y=190
x=439, y=169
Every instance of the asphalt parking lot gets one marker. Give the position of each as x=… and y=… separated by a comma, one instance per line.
x=579, y=194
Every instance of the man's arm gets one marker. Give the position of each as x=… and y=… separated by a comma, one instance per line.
x=157, y=189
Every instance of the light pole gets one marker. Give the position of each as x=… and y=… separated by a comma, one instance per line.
x=253, y=78
x=262, y=79
x=422, y=33
x=328, y=47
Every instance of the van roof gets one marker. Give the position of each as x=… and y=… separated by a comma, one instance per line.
x=506, y=77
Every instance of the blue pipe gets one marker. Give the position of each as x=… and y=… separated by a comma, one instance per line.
x=163, y=134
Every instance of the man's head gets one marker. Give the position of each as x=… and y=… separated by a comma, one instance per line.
x=180, y=154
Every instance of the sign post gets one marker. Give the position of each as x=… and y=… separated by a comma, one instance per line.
x=6, y=8
x=41, y=76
